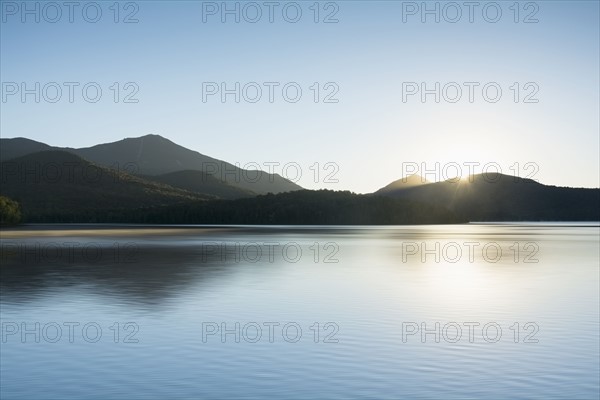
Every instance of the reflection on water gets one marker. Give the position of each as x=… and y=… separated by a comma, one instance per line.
x=423, y=311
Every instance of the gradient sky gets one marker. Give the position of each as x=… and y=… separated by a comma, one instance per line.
x=369, y=133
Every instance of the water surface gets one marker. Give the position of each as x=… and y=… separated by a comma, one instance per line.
x=508, y=310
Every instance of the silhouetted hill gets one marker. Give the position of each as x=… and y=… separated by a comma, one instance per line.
x=60, y=186
x=200, y=182
x=155, y=155
x=403, y=183
x=18, y=147
x=497, y=197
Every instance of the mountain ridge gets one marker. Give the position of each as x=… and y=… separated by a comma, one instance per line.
x=498, y=197
x=59, y=184
x=407, y=181
x=154, y=155
x=480, y=197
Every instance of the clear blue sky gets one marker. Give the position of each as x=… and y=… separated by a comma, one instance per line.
x=369, y=55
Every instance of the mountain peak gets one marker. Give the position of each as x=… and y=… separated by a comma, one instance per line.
x=403, y=183
x=152, y=136
x=156, y=155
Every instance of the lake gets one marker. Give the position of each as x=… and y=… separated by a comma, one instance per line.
x=445, y=311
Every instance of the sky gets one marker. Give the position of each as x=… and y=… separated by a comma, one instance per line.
x=344, y=95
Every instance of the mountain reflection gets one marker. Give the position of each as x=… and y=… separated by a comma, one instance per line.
x=130, y=272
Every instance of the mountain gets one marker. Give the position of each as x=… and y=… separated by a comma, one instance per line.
x=497, y=197
x=151, y=179
x=149, y=155
x=202, y=183
x=17, y=147
x=153, y=155
x=60, y=186
x=403, y=183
